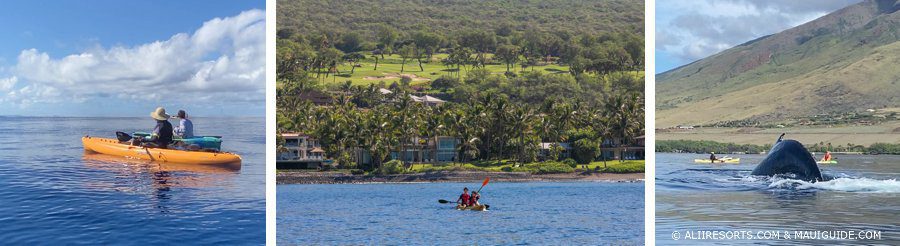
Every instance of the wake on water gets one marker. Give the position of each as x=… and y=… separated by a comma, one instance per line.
x=741, y=179
x=840, y=184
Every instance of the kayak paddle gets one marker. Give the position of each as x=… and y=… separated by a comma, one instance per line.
x=486, y=180
x=148, y=154
x=484, y=183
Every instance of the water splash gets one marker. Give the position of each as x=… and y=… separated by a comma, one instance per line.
x=841, y=184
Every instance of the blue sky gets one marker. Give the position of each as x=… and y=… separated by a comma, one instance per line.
x=689, y=30
x=124, y=58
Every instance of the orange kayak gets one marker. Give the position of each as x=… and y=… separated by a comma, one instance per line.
x=113, y=147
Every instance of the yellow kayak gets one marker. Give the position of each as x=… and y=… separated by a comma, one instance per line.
x=728, y=160
x=478, y=207
x=827, y=162
x=113, y=147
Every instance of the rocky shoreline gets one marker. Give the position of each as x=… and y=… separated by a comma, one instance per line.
x=307, y=177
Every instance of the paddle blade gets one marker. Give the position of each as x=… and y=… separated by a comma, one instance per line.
x=486, y=180
x=123, y=137
x=443, y=201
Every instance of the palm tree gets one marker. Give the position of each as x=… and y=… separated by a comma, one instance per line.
x=626, y=115
x=521, y=124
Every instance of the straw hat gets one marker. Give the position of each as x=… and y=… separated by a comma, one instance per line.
x=159, y=114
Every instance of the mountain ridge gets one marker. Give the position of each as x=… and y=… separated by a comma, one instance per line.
x=812, y=69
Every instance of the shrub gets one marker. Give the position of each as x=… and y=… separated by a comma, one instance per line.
x=549, y=167
x=357, y=172
x=405, y=80
x=506, y=169
x=391, y=167
x=444, y=83
x=626, y=168
x=570, y=162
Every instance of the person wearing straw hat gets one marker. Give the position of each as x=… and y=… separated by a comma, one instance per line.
x=161, y=136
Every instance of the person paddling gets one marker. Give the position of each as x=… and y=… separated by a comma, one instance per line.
x=473, y=199
x=827, y=156
x=464, y=198
x=162, y=132
x=712, y=156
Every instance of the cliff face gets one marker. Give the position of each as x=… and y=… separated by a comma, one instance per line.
x=846, y=61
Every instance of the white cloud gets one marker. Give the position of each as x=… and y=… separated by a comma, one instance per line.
x=690, y=30
x=6, y=84
x=222, y=60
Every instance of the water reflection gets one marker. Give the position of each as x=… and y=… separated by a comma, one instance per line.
x=155, y=179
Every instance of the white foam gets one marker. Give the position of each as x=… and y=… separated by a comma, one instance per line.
x=842, y=184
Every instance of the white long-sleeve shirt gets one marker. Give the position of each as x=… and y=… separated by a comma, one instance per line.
x=185, y=129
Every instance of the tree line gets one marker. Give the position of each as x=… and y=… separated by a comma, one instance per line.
x=705, y=147
x=490, y=126
x=450, y=16
x=322, y=53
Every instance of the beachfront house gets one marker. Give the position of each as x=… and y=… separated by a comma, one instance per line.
x=300, y=151
x=444, y=148
x=563, y=154
x=618, y=149
x=419, y=150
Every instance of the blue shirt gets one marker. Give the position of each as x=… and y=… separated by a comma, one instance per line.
x=186, y=129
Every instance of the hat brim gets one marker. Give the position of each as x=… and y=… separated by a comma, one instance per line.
x=156, y=116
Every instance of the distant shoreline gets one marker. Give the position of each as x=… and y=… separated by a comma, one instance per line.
x=307, y=177
x=888, y=132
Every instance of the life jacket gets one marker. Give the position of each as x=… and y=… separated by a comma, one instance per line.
x=465, y=198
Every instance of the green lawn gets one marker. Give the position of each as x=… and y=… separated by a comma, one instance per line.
x=389, y=70
x=425, y=167
x=614, y=166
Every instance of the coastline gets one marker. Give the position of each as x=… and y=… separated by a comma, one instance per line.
x=304, y=177
x=888, y=132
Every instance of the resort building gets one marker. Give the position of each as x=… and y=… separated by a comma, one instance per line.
x=437, y=149
x=618, y=149
x=563, y=154
x=426, y=99
x=300, y=151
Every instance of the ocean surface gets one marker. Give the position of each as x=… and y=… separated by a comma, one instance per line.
x=537, y=213
x=863, y=195
x=53, y=193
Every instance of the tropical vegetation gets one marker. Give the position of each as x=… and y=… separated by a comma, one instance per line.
x=588, y=86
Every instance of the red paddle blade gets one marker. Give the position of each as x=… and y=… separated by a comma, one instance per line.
x=486, y=180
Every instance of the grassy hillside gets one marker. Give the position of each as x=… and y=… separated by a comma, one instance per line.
x=843, y=62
